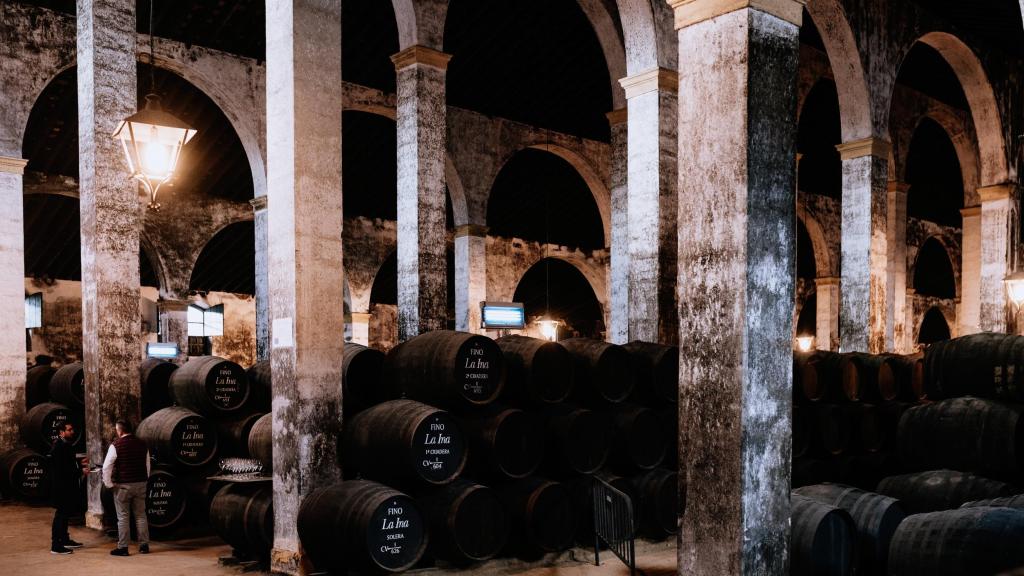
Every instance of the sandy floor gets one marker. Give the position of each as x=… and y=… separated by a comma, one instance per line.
x=25, y=551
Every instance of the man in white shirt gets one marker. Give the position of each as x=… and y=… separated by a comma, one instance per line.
x=126, y=471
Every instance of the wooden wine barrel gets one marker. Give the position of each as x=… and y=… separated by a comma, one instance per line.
x=167, y=500
x=67, y=386
x=210, y=386
x=830, y=429
x=969, y=434
x=821, y=378
x=539, y=371
x=638, y=441
x=957, y=542
x=446, y=368
x=541, y=516
x=467, y=522
x=361, y=525
x=901, y=378
x=604, y=373
x=154, y=378
x=940, y=490
x=37, y=384
x=823, y=541
x=404, y=442
x=986, y=365
x=801, y=431
x=261, y=390
x=243, y=516
x=875, y=516
x=43, y=422
x=261, y=441
x=867, y=429
x=577, y=440
x=233, y=435
x=860, y=376
x=178, y=436
x=658, y=499
x=656, y=367
x=1004, y=502
x=504, y=442
x=24, y=474
x=361, y=371
x=807, y=471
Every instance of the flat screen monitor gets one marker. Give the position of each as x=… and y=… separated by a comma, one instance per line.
x=503, y=315
x=162, y=350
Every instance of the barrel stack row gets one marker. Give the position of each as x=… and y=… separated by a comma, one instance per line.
x=458, y=448
x=53, y=397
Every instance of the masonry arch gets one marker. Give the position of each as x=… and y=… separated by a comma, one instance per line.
x=227, y=263
x=649, y=35
x=561, y=288
x=934, y=327
x=934, y=273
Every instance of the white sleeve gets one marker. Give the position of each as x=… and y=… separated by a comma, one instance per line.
x=108, y=467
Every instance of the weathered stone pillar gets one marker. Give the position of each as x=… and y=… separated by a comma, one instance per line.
x=653, y=204
x=422, y=291
x=361, y=328
x=12, y=301
x=110, y=214
x=737, y=202
x=996, y=211
x=896, y=250
x=304, y=218
x=970, y=272
x=174, y=325
x=259, y=207
x=827, y=329
x=470, y=276
x=618, y=307
x=867, y=295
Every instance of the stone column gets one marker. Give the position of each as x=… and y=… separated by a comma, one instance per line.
x=470, y=276
x=996, y=212
x=737, y=202
x=259, y=207
x=110, y=222
x=827, y=330
x=304, y=220
x=896, y=250
x=422, y=290
x=970, y=272
x=174, y=325
x=618, y=306
x=361, y=328
x=653, y=205
x=867, y=296
x=12, y=301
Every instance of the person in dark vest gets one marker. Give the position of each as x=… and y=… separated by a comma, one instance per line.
x=65, y=493
x=125, y=472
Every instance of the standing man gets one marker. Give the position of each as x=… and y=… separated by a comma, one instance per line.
x=125, y=471
x=66, y=490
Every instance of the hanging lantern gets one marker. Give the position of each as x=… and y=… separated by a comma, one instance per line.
x=805, y=343
x=152, y=141
x=1015, y=288
x=548, y=328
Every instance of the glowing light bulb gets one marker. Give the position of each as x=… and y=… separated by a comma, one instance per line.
x=805, y=343
x=156, y=160
x=549, y=329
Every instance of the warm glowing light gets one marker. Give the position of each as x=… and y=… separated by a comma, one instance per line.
x=805, y=343
x=549, y=328
x=1015, y=288
x=152, y=141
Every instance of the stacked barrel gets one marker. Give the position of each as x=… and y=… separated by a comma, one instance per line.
x=954, y=463
x=458, y=448
x=53, y=397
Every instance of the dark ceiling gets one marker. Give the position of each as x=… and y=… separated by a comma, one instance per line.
x=933, y=173
x=227, y=262
x=538, y=196
x=558, y=288
x=926, y=71
x=818, y=133
x=995, y=22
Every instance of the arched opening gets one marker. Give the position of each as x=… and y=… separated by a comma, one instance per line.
x=807, y=321
x=933, y=327
x=556, y=288
x=227, y=262
x=384, y=305
x=537, y=63
x=540, y=197
x=818, y=133
x=936, y=183
x=933, y=271
x=369, y=37
x=369, y=177
x=806, y=268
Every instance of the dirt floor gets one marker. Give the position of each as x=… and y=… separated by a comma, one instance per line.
x=25, y=551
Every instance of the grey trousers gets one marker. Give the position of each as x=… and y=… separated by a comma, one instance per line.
x=129, y=499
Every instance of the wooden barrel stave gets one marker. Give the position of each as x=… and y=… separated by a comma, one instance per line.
x=577, y=440
x=657, y=371
x=467, y=522
x=261, y=441
x=980, y=540
x=41, y=424
x=603, y=371
x=37, y=384
x=210, y=386
x=67, y=386
x=504, y=442
x=24, y=474
x=177, y=436
x=154, y=380
x=938, y=490
x=539, y=372
x=823, y=539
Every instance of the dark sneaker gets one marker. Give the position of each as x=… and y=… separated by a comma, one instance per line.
x=69, y=543
x=119, y=552
x=143, y=548
x=60, y=550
